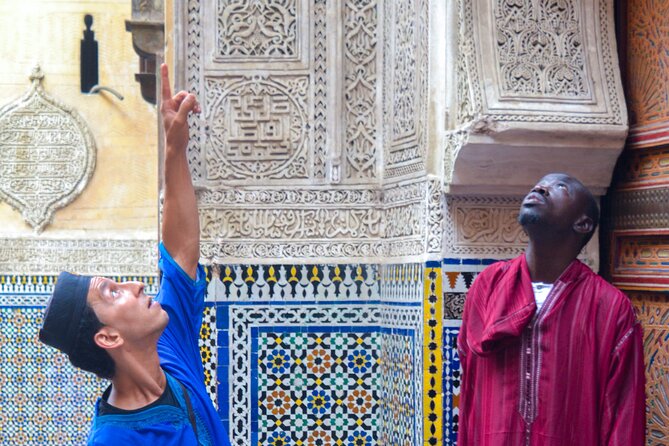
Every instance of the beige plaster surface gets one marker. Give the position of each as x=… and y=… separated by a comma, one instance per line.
x=121, y=197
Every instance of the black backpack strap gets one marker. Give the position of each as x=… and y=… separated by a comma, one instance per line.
x=189, y=406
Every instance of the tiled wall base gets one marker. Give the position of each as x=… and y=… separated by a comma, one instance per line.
x=43, y=399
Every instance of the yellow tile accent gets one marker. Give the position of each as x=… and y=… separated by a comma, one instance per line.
x=433, y=305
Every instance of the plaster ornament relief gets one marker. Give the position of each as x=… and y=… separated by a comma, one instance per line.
x=47, y=154
x=83, y=256
x=360, y=88
x=257, y=30
x=288, y=156
x=526, y=71
x=540, y=49
x=257, y=128
x=406, y=73
x=483, y=227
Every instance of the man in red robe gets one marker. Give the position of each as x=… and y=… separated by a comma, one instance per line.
x=551, y=353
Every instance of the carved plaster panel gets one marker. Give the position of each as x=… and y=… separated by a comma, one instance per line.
x=272, y=34
x=540, y=50
x=537, y=83
x=406, y=74
x=47, y=154
x=487, y=226
x=527, y=57
x=97, y=257
x=256, y=128
x=361, y=81
x=288, y=154
x=483, y=227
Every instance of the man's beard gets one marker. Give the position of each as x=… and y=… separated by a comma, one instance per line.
x=527, y=217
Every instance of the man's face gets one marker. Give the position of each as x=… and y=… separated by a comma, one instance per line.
x=556, y=200
x=125, y=308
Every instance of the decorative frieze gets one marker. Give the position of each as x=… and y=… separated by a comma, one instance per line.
x=98, y=257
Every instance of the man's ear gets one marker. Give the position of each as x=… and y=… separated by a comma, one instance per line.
x=108, y=338
x=583, y=225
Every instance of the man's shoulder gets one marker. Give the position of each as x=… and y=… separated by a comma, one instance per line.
x=497, y=270
x=607, y=295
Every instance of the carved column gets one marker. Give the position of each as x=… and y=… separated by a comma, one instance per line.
x=538, y=87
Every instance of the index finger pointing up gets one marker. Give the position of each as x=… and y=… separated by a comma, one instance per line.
x=165, y=82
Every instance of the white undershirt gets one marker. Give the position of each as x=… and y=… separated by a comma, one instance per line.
x=541, y=291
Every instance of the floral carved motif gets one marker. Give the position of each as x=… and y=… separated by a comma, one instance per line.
x=406, y=72
x=540, y=48
x=360, y=85
x=257, y=29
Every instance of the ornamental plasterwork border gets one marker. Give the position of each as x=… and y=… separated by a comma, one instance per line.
x=97, y=257
x=470, y=86
x=405, y=153
x=336, y=224
x=483, y=226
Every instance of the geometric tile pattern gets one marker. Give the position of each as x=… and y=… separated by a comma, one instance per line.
x=398, y=390
x=247, y=323
x=258, y=305
x=294, y=282
x=401, y=282
x=315, y=387
x=208, y=351
x=432, y=345
x=43, y=398
x=452, y=376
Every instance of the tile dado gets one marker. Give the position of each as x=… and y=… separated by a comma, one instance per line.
x=279, y=344
x=328, y=353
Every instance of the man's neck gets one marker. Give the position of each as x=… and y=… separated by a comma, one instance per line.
x=138, y=380
x=547, y=262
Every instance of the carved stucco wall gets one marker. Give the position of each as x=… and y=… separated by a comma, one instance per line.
x=330, y=132
x=112, y=221
x=313, y=111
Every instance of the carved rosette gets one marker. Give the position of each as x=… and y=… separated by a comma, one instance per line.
x=257, y=128
x=47, y=154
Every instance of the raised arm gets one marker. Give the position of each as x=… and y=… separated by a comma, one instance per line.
x=181, y=225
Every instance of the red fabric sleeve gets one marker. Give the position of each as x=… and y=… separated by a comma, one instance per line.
x=624, y=414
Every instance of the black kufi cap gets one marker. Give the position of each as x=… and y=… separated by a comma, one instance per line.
x=64, y=310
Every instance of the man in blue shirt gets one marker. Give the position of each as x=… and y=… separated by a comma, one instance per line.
x=147, y=347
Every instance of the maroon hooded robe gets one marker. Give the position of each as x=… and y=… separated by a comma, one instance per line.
x=571, y=374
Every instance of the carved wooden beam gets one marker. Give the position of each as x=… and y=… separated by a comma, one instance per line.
x=148, y=40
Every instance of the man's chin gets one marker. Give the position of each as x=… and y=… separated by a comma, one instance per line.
x=527, y=217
